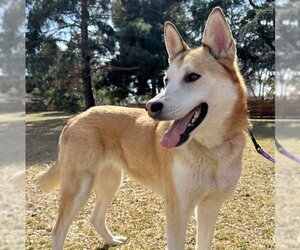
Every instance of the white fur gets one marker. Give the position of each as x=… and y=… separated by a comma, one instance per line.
x=196, y=185
x=179, y=98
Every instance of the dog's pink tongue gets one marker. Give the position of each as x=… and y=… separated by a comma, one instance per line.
x=172, y=136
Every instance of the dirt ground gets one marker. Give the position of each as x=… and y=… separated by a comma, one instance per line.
x=246, y=220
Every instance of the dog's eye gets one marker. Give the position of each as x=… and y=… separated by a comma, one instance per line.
x=191, y=77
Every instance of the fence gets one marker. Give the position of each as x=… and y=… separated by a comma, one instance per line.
x=261, y=109
x=266, y=109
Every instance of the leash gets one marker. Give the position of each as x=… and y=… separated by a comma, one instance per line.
x=258, y=148
x=283, y=151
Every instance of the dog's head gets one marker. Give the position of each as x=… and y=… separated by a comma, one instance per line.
x=203, y=86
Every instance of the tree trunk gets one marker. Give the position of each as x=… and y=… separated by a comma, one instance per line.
x=250, y=87
x=86, y=70
x=153, y=89
x=142, y=86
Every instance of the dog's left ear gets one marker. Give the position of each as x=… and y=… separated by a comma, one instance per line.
x=218, y=37
x=174, y=42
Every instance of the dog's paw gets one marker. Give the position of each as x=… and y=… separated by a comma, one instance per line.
x=116, y=240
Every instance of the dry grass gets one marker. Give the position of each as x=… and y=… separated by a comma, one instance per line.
x=12, y=198
x=246, y=221
x=288, y=187
x=12, y=204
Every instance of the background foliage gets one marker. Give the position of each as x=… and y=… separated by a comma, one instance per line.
x=11, y=56
x=287, y=51
x=123, y=52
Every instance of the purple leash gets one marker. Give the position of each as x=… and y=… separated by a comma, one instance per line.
x=259, y=148
x=283, y=151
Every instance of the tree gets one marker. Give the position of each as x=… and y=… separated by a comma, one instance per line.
x=258, y=45
x=12, y=53
x=288, y=50
x=141, y=53
x=121, y=53
x=67, y=41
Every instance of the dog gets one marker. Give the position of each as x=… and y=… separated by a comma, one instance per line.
x=187, y=145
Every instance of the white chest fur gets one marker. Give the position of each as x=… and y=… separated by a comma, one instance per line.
x=196, y=179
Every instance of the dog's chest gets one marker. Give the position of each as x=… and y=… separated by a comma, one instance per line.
x=202, y=178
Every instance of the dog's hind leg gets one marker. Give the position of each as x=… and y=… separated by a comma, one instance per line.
x=74, y=194
x=106, y=185
x=206, y=216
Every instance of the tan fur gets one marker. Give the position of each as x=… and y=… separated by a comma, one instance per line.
x=96, y=146
x=48, y=180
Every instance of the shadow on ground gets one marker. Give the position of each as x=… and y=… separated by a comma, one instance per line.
x=12, y=134
x=42, y=139
x=263, y=129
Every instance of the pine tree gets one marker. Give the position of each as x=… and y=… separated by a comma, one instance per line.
x=137, y=69
x=66, y=43
x=12, y=53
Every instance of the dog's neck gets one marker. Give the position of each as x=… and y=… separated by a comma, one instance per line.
x=218, y=139
x=232, y=137
x=197, y=148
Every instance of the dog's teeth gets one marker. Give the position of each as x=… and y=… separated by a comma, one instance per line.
x=193, y=120
x=196, y=115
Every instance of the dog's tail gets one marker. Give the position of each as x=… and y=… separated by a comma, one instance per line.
x=49, y=179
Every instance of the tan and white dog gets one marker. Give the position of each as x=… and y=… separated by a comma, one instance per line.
x=190, y=153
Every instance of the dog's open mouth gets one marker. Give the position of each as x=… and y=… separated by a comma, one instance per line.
x=180, y=130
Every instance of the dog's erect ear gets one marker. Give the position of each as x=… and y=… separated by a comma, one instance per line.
x=217, y=35
x=174, y=42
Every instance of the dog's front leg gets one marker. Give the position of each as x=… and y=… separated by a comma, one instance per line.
x=206, y=214
x=177, y=221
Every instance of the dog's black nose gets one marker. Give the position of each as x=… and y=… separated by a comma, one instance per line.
x=154, y=108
